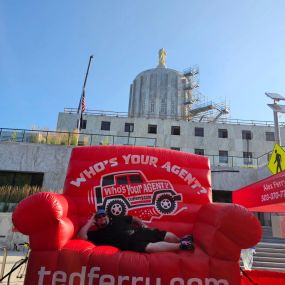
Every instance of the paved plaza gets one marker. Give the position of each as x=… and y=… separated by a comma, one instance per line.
x=17, y=277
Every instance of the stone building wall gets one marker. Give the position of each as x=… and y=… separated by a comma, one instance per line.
x=51, y=160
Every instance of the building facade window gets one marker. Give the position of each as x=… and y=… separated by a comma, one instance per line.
x=247, y=158
x=152, y=129
x=20, y=179
x=152, y=107
x=105, y=126
x=175, y=148
x=223, y=133
x=172, y=108
x=222, y=196
x=175, y=130
x=83, y=124
x=199, y=151
x=163, y=106
x=199, y=132
x=269, y=136
x=223, y=156
x=246, y=135
x=163, y=109
x=129, y=127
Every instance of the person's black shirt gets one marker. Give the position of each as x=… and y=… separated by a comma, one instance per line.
x=116, y=233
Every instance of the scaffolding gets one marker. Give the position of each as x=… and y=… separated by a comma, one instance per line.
x=196, y=107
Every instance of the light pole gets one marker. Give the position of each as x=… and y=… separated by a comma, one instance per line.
x=276, y=108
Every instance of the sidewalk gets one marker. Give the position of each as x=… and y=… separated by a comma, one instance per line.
x=12, y=257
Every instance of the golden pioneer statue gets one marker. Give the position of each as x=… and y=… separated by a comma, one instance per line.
x=162, y=57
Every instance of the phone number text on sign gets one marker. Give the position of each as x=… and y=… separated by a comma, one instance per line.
x=273, y=196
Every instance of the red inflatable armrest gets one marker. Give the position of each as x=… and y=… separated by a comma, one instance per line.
x=43, y=217
x=222, y=230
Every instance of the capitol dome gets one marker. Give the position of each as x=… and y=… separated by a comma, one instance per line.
x=157, y=92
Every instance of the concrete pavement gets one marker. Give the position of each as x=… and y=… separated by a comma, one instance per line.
x=17, y=278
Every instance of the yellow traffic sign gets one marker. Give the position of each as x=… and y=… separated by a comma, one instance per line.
x=276, y=163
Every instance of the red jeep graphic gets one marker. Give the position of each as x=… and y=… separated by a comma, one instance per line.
x=122, y=192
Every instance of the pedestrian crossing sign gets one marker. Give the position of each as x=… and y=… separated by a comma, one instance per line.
x=276, y=163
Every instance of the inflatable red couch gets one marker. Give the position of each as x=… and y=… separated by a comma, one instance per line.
x=167, y=189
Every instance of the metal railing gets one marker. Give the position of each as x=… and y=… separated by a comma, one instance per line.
x=74, y=138
x=97, y=112
x=194, y=119
x=4, y=258
x=71, y=138
x=236, y=161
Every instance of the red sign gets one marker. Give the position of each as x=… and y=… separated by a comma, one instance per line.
x=267, y=195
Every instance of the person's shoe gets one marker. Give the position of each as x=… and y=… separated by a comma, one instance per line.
x=187, y=237
x=186, y=245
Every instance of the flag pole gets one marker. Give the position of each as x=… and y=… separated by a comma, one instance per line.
x=79, y=110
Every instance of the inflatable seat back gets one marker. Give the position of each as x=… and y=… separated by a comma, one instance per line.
x=160, y=186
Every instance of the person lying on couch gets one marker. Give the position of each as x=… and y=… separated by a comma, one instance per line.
x=130, y=233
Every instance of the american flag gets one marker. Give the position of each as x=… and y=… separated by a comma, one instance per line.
x=81, y=109
x=83, y=103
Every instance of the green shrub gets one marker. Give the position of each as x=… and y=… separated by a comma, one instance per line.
x=15, y=194
x=74, y=137
x=14, y=136
x=59, y=138
x=34, y=138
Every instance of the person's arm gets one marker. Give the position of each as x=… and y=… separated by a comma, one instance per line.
x=138, y=222
x=82, y=234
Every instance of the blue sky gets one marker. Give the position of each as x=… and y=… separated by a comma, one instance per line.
x=239, y=47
